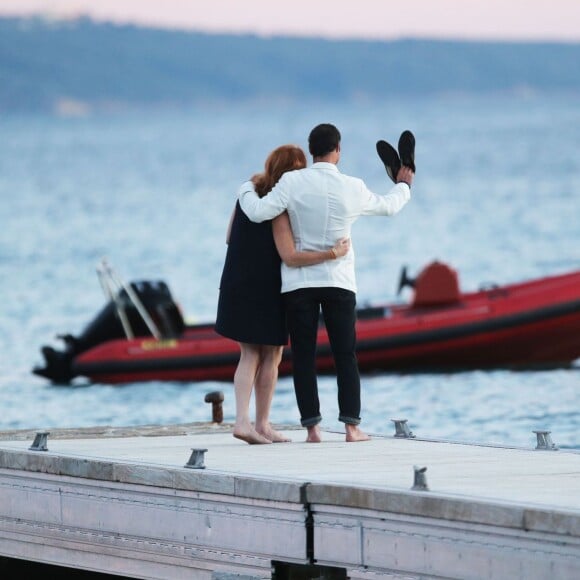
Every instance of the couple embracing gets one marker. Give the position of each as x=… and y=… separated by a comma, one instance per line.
x=289, y=257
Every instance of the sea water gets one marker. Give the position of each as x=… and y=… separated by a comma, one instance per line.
x=496, y=196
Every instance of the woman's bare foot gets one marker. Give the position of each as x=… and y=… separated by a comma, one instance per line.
x=353, y=433
x=251, y=436
x=273, y=435
x=313, y=434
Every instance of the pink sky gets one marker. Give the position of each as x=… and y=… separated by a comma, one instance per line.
x=557, y=20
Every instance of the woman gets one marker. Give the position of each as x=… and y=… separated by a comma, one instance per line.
x=250, y=308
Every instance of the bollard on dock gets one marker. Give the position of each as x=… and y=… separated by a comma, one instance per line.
x=40, y=441
x=216, y=398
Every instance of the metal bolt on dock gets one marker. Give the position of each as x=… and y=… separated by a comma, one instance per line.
x=402, y=429
x=196, y=459
x=544, y=440
x=420, y=479
x=40, y=441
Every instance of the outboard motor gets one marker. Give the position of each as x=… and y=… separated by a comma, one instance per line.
x=436, y=285
x=121, y=317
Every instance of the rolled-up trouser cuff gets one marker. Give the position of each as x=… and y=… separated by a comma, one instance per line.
x=349, y=420
x=311, y=421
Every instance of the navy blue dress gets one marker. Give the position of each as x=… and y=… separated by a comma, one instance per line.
x=250, y=306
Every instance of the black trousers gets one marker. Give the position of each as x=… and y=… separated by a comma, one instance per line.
x=302, y=314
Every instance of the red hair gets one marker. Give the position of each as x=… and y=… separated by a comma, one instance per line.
x=282, y=159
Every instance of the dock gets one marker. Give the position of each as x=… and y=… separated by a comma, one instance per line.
x=191, y=501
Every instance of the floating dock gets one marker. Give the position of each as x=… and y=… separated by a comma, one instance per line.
x=191, y=501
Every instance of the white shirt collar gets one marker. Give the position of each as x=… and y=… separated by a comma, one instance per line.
x=324, y=165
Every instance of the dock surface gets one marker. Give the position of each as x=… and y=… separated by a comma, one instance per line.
x=132, y=502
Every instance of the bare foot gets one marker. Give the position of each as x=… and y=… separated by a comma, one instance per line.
x=313, y=434
x=353, y=434
x=273, y=435
x=250, y=436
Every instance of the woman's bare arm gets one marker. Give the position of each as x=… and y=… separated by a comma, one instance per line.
x=228, y=233
x=287, y=250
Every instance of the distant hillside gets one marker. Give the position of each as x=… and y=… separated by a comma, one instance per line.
x=43, y=64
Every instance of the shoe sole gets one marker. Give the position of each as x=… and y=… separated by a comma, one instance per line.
x=407, y=149
x=390, y=158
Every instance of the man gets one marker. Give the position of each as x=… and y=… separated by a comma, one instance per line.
x=323, y=204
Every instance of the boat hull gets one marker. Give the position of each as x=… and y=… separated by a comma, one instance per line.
x=534, y=324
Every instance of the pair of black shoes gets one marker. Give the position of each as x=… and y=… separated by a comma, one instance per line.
x=393, y=160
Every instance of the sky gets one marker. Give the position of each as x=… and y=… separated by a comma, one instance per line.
x=517, y=20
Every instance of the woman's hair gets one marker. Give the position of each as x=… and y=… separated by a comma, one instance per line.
x=282, y=159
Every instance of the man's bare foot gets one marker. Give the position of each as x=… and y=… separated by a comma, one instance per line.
x=313, y=434
x=353, y=434
x=273, y=435
x=250, y=436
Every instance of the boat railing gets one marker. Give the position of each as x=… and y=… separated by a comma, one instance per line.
x=112, y=286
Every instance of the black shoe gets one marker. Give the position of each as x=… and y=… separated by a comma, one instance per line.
x=390, y=158
x=407, y=149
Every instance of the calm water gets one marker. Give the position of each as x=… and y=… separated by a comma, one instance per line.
x=496, y=196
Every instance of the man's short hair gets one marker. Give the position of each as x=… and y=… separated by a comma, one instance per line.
x=323, y=139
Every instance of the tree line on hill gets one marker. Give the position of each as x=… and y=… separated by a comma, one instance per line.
x=43, y=62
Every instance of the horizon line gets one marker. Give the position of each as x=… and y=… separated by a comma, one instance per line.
x=61, y=18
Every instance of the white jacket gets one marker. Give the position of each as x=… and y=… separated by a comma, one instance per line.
x=322, y=204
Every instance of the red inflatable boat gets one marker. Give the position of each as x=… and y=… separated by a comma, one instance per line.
x=140, y=334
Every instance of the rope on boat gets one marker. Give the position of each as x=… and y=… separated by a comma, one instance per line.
x=107, y=278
